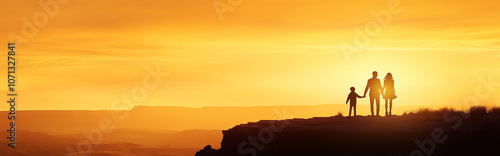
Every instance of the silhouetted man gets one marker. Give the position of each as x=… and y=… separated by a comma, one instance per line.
x=375, y=89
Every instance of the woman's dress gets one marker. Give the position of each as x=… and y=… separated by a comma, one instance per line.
x=389, y=89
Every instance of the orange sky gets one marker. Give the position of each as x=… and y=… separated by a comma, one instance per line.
x=264, y=52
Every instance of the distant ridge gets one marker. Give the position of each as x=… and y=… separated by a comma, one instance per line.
x=175, y=118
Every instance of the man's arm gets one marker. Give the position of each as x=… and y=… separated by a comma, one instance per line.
x=383, y=86
x=367, y=86
x=347, y=99
x=380, y=88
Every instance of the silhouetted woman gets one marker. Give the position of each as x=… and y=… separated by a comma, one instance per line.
x=389, y=93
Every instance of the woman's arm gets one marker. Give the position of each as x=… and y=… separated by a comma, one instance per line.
x=382, y=91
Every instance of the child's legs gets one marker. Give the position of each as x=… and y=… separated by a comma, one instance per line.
x=350, y=109
x=354, y=107
x=377, y=100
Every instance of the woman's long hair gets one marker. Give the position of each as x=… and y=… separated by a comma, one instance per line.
x=388, y=77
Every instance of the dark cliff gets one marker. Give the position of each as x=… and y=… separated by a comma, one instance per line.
x=438, y=133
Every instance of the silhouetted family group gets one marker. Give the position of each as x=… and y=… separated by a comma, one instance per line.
x=376, y=89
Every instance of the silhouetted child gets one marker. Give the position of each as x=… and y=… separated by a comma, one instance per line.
x=353, y=96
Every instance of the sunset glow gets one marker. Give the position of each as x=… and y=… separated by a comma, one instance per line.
x=264, y=53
